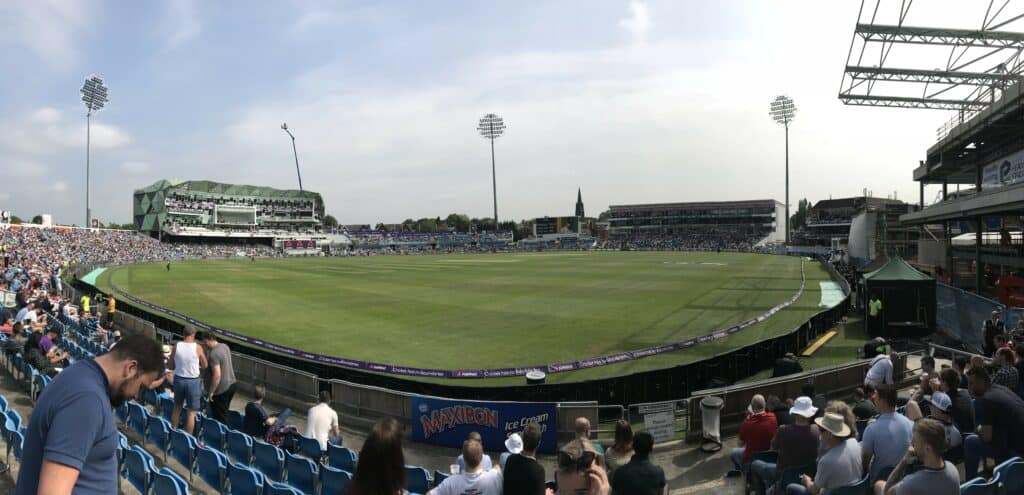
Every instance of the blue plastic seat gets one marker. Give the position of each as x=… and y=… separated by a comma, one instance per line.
x=137, y=418
x=14, y=417
x=6, y=430
x=183, y=449
x=272, y=488
x=310, y=447
x=244, y=481
x=417, y=479
x=122, y=413
x=268, y=459
x=981, y=486
x=302, y=472
x=333, y=481
x=3, y=404
x=236, y=421
x=18, y=442
x=1011, y=474
x=239, y=447
x=342, y=458
x=439, y=477
x=211, y=466
x=167, y=409
x=167, y=482
x=214, y=433
x=149, y=397
x=138, y=466
x=158, y=432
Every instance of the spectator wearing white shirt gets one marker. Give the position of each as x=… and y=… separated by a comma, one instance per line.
x=474, y=479
x=322, y=422
x=880, y=372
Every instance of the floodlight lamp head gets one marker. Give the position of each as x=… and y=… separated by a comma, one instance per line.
x=94, y=93
x=284, y=126
x=491, y=126
x=783, y=110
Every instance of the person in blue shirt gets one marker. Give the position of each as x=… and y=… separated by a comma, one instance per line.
x=71, y=442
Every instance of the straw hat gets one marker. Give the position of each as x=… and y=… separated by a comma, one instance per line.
x=834, y=424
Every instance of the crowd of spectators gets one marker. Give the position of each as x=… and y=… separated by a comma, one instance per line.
x=693, y=238
x=965, y=412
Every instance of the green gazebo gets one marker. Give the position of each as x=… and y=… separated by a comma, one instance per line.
x=908, y=300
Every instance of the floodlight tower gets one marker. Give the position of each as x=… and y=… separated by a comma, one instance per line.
x=94, y=95
x=284, y=127
x=782, y=112
x=492, y=127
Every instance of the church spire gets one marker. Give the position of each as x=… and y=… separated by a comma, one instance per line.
x=579, y=203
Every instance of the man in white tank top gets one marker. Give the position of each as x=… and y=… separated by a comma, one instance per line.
x=187, y=359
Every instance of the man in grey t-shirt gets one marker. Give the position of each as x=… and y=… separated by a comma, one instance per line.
x=937, y=476
x=839, y=466
x=220, y=377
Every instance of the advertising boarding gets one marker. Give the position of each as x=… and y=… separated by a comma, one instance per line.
x=447, y=422
x=1005, y=171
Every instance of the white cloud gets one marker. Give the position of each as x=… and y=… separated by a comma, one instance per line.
x=23, y=169
x=47, y=28
x=60, y=186
x=182, y=23
x=135, y=168
x=46, y=116
x=638, y=24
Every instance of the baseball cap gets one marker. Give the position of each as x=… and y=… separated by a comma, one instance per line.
x=941, y=401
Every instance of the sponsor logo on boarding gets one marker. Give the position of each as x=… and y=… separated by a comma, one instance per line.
x=447, y=418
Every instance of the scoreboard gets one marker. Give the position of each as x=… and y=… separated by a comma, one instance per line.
x=555, y=226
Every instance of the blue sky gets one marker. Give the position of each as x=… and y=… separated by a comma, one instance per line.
x=633, y=101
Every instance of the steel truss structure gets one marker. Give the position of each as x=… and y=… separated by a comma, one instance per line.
x=979, y=64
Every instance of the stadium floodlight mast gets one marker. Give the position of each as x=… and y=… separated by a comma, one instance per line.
x=492, y=127
x=295, y=151
x=94, y=95
x=782, y=112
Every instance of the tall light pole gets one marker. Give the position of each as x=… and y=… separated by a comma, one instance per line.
x=782, y=112
x=284, y=127
x=492, y=127
x=94, y=95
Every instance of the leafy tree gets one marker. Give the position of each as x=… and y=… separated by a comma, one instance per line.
x=37, y=219
x=457, y=221
x=799, y=219
x=330, y=221
x=380, y=226
x=16, y=220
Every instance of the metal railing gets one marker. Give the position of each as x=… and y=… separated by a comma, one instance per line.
x=835, y=382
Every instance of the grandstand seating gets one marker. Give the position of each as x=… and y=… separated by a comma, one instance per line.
x=980, y=486
x=243, y=481
x=417, y=479
x=138, y=467
x=439, y=477
x=239, y=447
x=309, y=447
x=236, y=421
x=342, y=458
x=158, y=432
x=167, y=482
x=214, y=433
x=183, y=448
x=211, y=466
x=858, y=488
x=269, y=460
x=333, y=481
x=301, y=472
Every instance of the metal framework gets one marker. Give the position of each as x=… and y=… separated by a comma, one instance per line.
x=491, y=127
x=979, y=63
x=94, y=95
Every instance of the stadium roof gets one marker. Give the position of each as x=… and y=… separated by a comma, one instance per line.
x=852, y=202
x=205, y=186
x=701, y=204
x=896, y=269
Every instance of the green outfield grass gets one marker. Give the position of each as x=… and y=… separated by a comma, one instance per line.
x=488, y=311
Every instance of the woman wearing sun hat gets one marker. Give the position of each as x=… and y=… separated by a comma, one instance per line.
x=841, y=464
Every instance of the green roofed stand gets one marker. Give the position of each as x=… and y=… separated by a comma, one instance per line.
x=150, y=212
